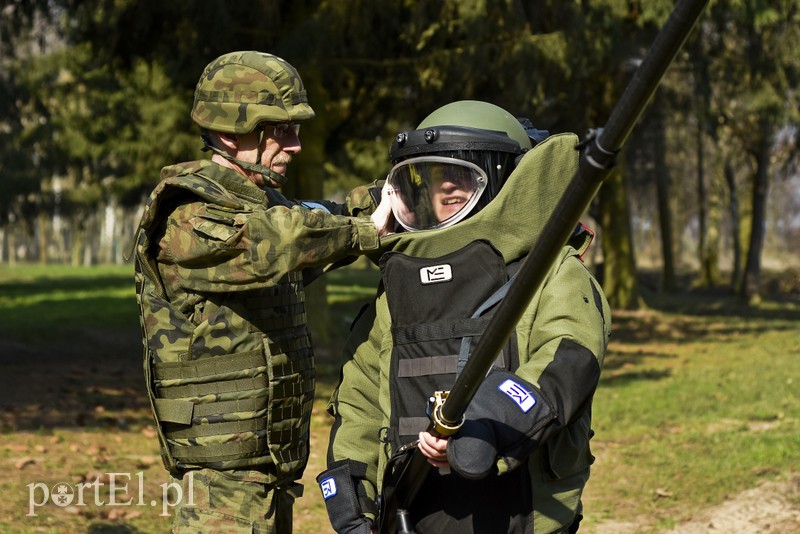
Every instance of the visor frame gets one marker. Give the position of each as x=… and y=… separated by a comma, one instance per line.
x=480, y=180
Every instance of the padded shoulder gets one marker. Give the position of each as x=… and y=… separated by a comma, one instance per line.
x=515, y=217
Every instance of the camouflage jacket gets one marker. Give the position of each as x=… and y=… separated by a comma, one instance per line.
x=228, y=356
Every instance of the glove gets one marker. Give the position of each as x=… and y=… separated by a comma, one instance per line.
x=504, y=420
x=345, y=496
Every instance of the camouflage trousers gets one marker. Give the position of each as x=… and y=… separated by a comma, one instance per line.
x=232, y=502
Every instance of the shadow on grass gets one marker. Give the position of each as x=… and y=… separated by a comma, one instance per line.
x=46, y=308
x=70, y=347
x=95, y=382
x=111, y=528
x=669, y=322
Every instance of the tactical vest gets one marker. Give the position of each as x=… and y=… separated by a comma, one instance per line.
x=432, y=303
x=435, y=305
x=217, y=404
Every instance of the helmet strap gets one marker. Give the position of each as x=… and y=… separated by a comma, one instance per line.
x=263, y=170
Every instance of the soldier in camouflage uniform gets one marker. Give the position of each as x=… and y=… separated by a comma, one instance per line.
x=221, y=262
x=521, y=459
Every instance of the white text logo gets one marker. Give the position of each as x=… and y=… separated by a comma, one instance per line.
x=435, y=274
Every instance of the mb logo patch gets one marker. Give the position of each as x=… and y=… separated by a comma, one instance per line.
x=518, y=394
x=328, y=487
x=436, y=274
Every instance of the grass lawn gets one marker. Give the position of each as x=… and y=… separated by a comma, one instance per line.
x=698, y=401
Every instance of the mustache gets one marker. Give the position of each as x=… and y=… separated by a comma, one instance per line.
x=282, y=160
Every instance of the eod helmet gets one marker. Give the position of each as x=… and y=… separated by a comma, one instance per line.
x=453, y=164
x=240, y=92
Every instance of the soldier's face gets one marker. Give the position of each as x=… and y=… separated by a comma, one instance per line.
x=449, y=193
x=276, y=155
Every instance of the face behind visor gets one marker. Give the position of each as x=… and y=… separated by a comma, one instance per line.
x=453, y=164
x=430, y=192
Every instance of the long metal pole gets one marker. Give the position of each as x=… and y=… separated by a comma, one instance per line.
x=597, y=160
x=594, y=166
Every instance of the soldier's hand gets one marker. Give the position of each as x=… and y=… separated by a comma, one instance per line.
x=382, y=216
x=434, y=449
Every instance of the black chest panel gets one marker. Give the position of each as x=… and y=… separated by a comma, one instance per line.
x=431, y=303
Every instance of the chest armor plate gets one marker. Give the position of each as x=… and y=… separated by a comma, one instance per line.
x=431, y=303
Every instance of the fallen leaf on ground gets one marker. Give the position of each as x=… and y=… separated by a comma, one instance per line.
x=22, y=463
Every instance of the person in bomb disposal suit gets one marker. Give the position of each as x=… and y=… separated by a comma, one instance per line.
x=521, y=459
x=221, y=261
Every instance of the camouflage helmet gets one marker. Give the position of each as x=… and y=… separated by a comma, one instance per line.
x=239, y=90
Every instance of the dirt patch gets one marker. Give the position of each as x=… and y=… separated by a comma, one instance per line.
x=770, y=508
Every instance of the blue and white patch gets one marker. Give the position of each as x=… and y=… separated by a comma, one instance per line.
x=328, y=487
x=518, y=394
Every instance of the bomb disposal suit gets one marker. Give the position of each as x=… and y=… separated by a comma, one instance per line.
x=521, y=460
x=228, y=359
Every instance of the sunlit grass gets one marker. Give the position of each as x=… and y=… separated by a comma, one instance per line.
x=692, y=409
x=698, y=401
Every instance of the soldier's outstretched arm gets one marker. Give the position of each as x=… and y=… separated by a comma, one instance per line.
x=220, y=249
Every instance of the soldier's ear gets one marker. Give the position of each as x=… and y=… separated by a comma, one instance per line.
x=227, y=140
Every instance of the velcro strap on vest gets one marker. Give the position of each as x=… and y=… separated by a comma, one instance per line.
x=208, y=367
x=220, y=429
x=439, y=330
x=219, y=452
x=186, y=412
x=174, y=410
x=428, y=365
x=213, y=388
x=210, y=409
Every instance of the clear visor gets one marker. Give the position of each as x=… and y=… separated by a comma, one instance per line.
x=434, y=192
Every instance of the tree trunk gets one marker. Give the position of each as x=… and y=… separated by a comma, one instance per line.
x=664, y=213
x=702, y=201
x=45, y=235
x=750, y=290
x=12, y=246
x=78, y=239
x=708, y=214
x=619, y=268
x=710, y=255
x=733, y=207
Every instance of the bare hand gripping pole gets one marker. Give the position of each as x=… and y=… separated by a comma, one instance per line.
x=599, y=150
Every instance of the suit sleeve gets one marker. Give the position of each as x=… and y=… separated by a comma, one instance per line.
x=356, y=403
x=567, y=335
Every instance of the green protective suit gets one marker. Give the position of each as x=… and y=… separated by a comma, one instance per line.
x=569, y=306
x=227, y=354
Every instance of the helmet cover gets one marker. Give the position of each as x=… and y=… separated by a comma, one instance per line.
x=239, y=90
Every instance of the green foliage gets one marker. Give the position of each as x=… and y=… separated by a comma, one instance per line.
x=95, y=94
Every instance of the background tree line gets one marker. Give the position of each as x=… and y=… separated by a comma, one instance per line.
x=95, y=98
